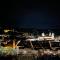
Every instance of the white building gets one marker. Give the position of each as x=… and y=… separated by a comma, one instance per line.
x=45, y=37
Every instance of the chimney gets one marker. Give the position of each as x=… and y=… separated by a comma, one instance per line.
x=50, y=34
x=53, y=35
x=43, y=34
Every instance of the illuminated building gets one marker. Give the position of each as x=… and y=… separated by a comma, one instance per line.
x=49, y=37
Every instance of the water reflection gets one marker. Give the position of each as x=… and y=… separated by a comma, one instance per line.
x=48, y=57
x=21, y=57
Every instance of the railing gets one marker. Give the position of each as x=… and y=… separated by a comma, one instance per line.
x=40, y=44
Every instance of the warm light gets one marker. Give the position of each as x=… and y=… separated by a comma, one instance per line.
x=7, y=31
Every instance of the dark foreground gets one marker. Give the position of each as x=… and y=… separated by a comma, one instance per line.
x=45, y=57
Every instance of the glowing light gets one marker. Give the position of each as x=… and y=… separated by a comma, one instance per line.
x=7, y=31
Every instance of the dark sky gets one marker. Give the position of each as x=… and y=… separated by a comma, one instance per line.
x=31, y=15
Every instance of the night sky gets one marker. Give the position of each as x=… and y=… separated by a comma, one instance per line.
x=31, y=15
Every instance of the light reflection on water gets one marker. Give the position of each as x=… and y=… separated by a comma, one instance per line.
x=21, y=57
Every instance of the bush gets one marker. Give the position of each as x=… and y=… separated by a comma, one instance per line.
x=4, y=51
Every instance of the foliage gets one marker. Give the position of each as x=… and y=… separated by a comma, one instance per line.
x=4, y=51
